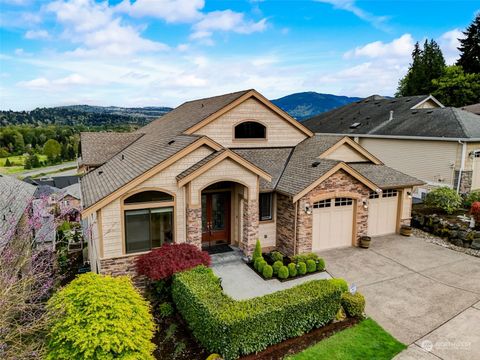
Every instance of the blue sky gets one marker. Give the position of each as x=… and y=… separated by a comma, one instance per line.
x=164, y=52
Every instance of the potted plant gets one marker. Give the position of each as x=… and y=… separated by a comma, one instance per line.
x=406, y=230
x=365, y=241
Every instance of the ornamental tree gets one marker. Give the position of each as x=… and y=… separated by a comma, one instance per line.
x=162, y=263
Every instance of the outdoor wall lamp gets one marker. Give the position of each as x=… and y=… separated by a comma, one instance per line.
x=409, y=194
x=365, y=204
x=308, y=210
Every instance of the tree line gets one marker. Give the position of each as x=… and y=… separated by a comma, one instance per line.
x=455, y=85
x=57, y=142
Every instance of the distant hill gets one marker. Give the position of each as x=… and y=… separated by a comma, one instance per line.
x=307, y=104
x=83, y=115
x=300, y=105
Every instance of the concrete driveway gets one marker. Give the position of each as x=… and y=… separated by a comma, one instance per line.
x=425, y=295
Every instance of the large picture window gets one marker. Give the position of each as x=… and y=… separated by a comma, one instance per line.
x=149, y=220
x=250, y=130
x=266, y=206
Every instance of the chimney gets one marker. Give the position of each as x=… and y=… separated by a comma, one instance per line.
x=391, y=115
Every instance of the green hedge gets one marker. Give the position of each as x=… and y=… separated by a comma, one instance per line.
x=234, y=328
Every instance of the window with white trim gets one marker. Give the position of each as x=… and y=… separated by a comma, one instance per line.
x=322, y=204
x=343, y=201
x=266, y=206
x=390, y=193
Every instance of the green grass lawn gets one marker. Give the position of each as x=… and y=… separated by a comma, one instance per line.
x=366, y=340
x=18, y=161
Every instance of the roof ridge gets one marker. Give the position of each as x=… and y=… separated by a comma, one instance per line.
x=284, y=167
x=460, y=122
x=216, y=96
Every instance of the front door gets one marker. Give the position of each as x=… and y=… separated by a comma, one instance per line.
x=215, y=218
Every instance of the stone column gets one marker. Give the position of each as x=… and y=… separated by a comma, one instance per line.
x=250, y=226
x=194, y=226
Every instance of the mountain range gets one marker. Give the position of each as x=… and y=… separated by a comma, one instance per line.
x=299, y=105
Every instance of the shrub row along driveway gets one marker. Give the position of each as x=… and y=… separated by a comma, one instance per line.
x=423, y=294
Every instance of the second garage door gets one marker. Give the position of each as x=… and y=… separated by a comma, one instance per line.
x=382, y=213
x=332, y=223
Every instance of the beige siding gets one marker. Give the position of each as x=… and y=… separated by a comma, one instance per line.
x=347, y=154
x=279, y=131
x=431, y=161
x=429, y=104
x=406, y=213
x=469, y=160
x=112, y=213
x=226, y=170
x=93, y=242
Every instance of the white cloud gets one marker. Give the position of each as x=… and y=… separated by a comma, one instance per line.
x=43, y=83
x=449, y=43
x=350, y=6
x=172, y=11
x=226, y=21
x=36, y=34
x=397, y=48
x=95, y=26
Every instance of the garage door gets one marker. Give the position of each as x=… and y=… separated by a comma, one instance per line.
x=382, y=213
x=332, y=223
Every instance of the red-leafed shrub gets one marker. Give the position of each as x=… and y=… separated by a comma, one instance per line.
x=475, y=211
x=162, y=263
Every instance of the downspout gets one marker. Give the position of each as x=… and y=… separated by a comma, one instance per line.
x=462, y=164
x=295, y=229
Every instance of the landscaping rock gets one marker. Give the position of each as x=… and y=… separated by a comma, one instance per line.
x=462, y=235
x=457, y=242
x=475, y=244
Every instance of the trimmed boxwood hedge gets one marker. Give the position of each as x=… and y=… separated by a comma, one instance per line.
x=235, y=328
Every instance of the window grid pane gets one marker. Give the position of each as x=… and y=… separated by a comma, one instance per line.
x=374, y=195
x=390, y=193
x=322, y=204
x=343, y=201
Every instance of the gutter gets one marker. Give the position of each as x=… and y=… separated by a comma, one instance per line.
x=402, y=137
x=462, y=164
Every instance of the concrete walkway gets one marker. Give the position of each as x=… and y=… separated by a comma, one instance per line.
x=426, y=296
x=240, y=282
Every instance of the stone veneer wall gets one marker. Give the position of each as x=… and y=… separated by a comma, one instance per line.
x=124, y=265
x=285, y=224
x=250, y=226
x=465, y=182
x=194, y=226
x=338, y=183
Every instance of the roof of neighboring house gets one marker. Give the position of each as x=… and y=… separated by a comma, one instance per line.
x=99, y=147
x=15, y=197
x=271, y=160
x=58, y=182
x=474, y=108
x=162, y=139
x=397, y=117
x=45, y=190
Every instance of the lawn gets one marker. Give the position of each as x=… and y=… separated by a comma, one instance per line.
x=366, y=340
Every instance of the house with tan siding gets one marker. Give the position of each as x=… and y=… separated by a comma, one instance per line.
x=232, y=169
x=416, y=135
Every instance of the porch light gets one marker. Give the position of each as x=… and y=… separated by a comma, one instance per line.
x=365, y=204
x=409, y=194
x=308, y=210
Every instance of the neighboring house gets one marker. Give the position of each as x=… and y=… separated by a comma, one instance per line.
x=416, y=134
x=233, y=169
x=59, y=182
x=15, y=209
x=475, y=108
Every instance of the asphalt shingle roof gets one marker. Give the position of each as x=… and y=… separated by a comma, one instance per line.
x=199, y=164
x=161, y=139
x=99, y=147
x=270, y=160
x=15, y=197
x=373, y=116
x=385, y=177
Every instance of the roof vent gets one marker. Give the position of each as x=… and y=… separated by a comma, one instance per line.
x=171, y=142
x=100, y=172
x=355, y=125
x=316, y=163
x=203, y=105
x=429, y=111
x=123, y=157
x=407, y=100
x=414, y=112
x=391, y=116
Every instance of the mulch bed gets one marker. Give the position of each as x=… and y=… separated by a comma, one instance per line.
x=298, y=344
x=175, y=341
